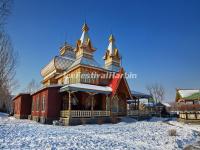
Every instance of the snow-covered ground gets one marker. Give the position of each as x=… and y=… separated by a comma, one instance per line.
x=152, y=135
x=195, y=127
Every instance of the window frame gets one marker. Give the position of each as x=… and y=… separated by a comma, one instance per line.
x=43, y=103
x=37, y=103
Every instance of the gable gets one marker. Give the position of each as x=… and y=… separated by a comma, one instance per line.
x=119, y=84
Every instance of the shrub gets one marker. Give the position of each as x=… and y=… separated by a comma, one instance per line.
x=172, y=132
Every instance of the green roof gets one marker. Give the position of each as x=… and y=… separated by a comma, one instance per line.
x=194, y=96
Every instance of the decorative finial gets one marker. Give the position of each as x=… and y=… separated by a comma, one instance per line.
x=85, y=27
x=111, y=38
x=65, y=43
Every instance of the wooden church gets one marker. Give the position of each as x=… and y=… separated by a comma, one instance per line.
x=77, y=89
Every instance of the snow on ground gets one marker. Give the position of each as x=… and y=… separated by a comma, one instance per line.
x=195, y=127
x=151, y=135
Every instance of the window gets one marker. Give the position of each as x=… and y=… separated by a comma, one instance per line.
x=66, y=80
x=43, y=102
x=32, y=105
x=37, y=103
x=85, y=77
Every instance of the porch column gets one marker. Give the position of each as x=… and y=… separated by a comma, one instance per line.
x=138, y=108
x=106, y=102
x=92, y=104
x=111, y=99
x=135, y=104
x=117, y=105
x=69, y=105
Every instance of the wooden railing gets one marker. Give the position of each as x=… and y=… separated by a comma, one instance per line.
x=132, y=112
x=101, y=113
x=83, y=113
x=80, y=114
x=190, y=115
x=138, y=113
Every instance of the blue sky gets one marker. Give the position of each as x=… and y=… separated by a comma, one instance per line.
x=159, y=40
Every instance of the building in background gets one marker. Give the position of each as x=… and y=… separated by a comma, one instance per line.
x=188, y=104
x=22, y=105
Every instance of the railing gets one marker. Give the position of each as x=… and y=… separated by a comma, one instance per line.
x=190, y=115
x=138, y=113
x=79, y=114
x=83, y=113
x=132, y=112
x=101, y=113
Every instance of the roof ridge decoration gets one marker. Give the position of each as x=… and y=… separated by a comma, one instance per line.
x=67, y=49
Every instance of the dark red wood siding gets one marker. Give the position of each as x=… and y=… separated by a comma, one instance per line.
x=22, y=105
x=52, y=103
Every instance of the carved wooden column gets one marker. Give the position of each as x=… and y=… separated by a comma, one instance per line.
x=106, y=102
x=69, y=105
x=92, y=104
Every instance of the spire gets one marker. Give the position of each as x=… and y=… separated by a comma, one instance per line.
x=85, y=27
x=84, y=37
x=111, y=57
x=65, y=49
x=111, y=38
x=84, y=46
x=112, y=47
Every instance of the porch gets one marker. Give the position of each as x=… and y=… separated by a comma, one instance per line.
x=85, y=101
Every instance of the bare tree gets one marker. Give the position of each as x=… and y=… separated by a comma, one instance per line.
x=157, y=91
x=32, y=86
x=8, y=59
x=5, y=10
